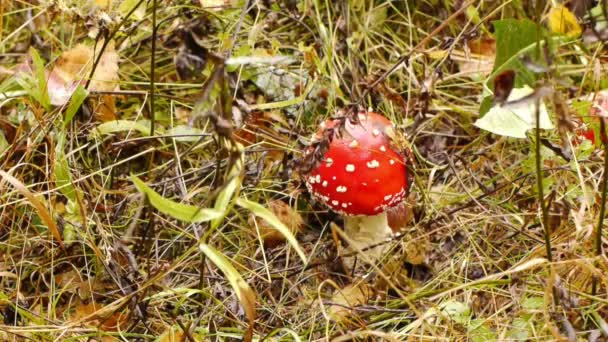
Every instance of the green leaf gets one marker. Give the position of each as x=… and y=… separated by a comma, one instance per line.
x=480, y=332
x=185, y=133
x=3, y=143
x=142, y=126
x=286, y=103
x=40, y=93
x=180, y=211
x=78, y=97
x=261, y=212
x=533, y=303
x=244, y=293
x=458, y=312
x=514, y=120
x=224, y=198
x=520, y=329
x=129, y=5
x=222, y=201
x=513, y=38
x=63, y=178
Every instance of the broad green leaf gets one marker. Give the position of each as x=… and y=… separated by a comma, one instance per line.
x=244, y=293
x=40, y=93
x=78, y=97
x=513, y=37
x=224, y=198
x=222, y=202
x=183, y=212
x=596, y=15
x=533, y=303
x=514, y=120
x=261, y=212
x=458, y=312
x=185, y=133
x=520, y=328
x=478, y=331
x=63, y=179
x=286, y=103
x=127, y=6
x=142, y=126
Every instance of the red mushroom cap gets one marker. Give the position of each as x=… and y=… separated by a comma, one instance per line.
x=361, y=173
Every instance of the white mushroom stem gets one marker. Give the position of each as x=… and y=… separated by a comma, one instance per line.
x=365, y=231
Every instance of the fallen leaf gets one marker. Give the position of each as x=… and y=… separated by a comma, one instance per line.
x=479, y=62
x=74, y=67
x=400, y=215
x=515, y=119
x=262, y=128
x=347, y=298
x=104, y=108
x=94, y=316
x=286, y=214
x=562, y=21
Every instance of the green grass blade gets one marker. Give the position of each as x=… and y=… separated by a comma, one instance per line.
x=244, y=293
x=261, y=212
x=41, y=93
x=183, y=212
x=78, y=97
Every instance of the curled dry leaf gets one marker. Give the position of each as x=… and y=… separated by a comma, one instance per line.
x=96, y=317
x=104, y=108
x=286, y=214
x=401, y=215
x=477, y=59
x=262, y=128
x=344, y=300
x=74, y=67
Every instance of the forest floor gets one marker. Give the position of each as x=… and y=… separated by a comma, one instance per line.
x=152, y=170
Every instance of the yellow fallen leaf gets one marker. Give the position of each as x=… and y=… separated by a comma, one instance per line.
x=74, y=66
x=103, y=3
x=562, y=21
x=346, y=299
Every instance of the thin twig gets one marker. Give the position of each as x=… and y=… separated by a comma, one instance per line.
x=539, y=183
x=600, y=223
x=153, y=71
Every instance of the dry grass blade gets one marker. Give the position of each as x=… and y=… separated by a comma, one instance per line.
x=245, y=294
x=40, y=207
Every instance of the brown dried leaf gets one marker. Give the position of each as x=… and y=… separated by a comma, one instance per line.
x=350, y=296
x=113, y=321
x=261, y=128
x=104, y=108
x=286, y=214
x=74, y=67
x=480, y=61
x=400, y=216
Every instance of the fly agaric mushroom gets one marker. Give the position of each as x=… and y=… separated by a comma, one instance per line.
x=361, y=176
